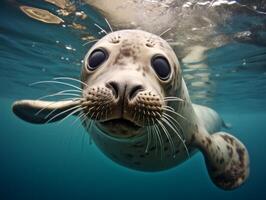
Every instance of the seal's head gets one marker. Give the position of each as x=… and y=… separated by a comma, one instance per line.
x=128, y=74
x=128, y=79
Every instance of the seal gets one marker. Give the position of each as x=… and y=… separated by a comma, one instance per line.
x=137, y=109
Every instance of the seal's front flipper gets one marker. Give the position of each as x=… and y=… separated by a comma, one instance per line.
x=40, y=112
x=226, y=158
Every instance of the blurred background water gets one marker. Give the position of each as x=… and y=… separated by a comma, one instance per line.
x=56, y=161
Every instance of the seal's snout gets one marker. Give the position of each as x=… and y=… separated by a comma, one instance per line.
x=124, y=90
x=122, y=108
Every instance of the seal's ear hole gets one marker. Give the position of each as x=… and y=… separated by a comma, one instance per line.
x=96, y=58
x=161, y=66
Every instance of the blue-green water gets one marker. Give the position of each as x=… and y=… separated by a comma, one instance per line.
x=57, y=161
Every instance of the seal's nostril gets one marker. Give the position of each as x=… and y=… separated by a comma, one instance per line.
x=134, y=90
x=114, y=87
x=124, y=89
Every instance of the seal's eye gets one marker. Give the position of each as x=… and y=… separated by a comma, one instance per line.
x=161, y=66
x=97, y=57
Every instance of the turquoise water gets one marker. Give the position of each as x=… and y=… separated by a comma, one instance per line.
x=57, y=161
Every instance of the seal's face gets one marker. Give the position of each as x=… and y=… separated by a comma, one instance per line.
x=127, y=75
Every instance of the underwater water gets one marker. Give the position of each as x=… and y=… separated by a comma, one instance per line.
x=57, y=161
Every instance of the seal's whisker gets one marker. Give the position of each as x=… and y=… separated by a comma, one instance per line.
x=78, y=118
x=173, y=99
x=65, y=99
x=89, y=124
x=169, y=122
x=83, y=118
x=182, y=140
x=47, y=116
x=73, y=112
x=89, y=42
x=62, y=93
x=92, y=115
x=97, y=115
x=72, y=79
x=166, y=31
x=102, y=30
x=155, y=128
x=172, y=120
x=165, y=100
x=177, y=126
x=86, y=114
x=153, y=131
x=168, y=136
x=177, y=114
x=63, y=112
x=58, y=94
x=57, y=82
x=57, y=108
x=152, y=137
x=109, y=25
x=58, y=114
x=173, y=44
x=157, y=142
x=148, y=140
x=170, y=108
x=169, y=40
x=65, y=91
x=160, y=139
x=84, y=134
x=89, y=127
x=149, y=137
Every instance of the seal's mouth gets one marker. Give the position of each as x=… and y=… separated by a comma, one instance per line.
x=121, y=122
x=120, y=127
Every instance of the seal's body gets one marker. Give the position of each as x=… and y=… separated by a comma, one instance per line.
x=136, y=106
x=131, y=152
